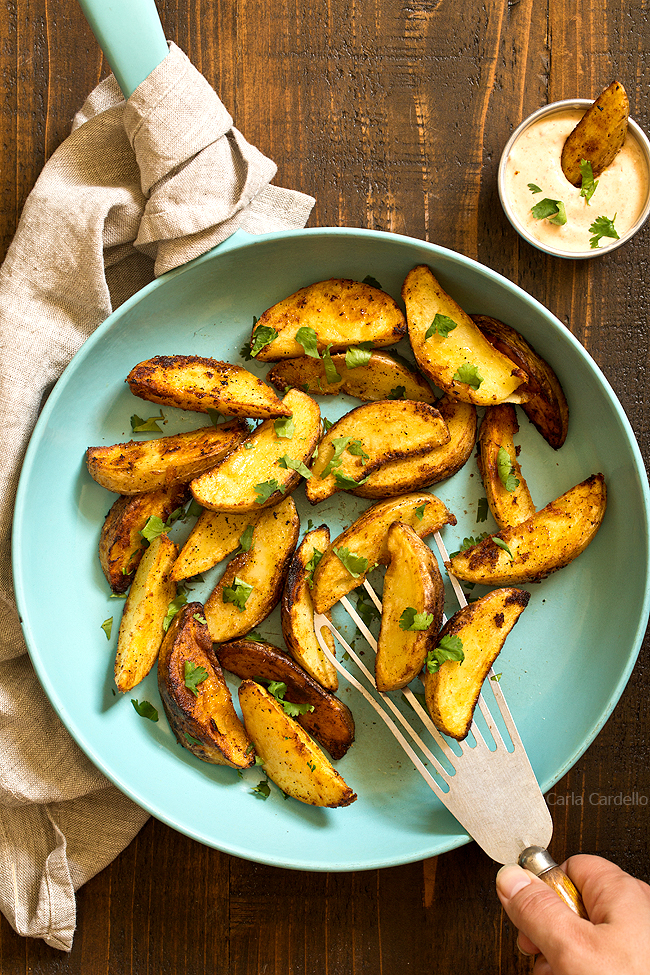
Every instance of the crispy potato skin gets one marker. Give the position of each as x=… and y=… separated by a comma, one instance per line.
x=381, y=375
x=451, y=693
x=291, y=759
x=548, y=541
x=341, y=312
x=297, y=612
x=145, y=609
x=546, y=406
x=440, y=357
x=331, y=721
x=264, y=567
x=387, y=431
x=599, y=134
x=230, y=484
x=137, y=466
x=498, y=428
x=412, y=579
x=121, y=543
x=366, y=537
x=413, y=473
x=208, y=716
x=191, y=382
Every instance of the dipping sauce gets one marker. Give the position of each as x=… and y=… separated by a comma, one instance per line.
x=621, y=194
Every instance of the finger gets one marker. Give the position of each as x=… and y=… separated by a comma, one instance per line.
x=609, y=893
x=525, y=945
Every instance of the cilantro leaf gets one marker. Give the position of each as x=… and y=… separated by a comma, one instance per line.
x=470, y=542
x=107, y=627
x=501, y=544
x=399, y=392
x=345, y=483
x=331, y=375
x=262, y=790
x=358, y=355
x=284, y=427
x=505, y=470
x=412, y=620
x=482, y=510
x=278, y=689
x=551, y=210
x=366, y=608
x=340, y=444
x=602, y=227
x=419, y=511
x=449, y=648
x=327, y=424
x=200, y=619
x=192, y=741
x=295, y=465
x=194, y=675
x=246, y=538
x=262, y=335
x=441, y=325
x=355, y=564
x=497, y=677
x=307, y=337
x=533, y=188
x=265, y=489
x=174, y=607
x=155, y=526
x=145, y=709
x=194, y=509
x=468, y=373
x=138, y=425
x=310, y=567
x=373, y=282
x=589, y=184
x=237, y=593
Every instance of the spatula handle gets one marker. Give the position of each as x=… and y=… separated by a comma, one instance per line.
x=540, y=862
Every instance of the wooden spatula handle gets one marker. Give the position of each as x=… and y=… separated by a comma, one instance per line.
x=540, y=862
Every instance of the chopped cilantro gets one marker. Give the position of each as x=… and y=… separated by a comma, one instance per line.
x=295, y=465
x=412, y=620
x=343, y=482
x=307, y=337
x=262, y=335
x=551, y=210
x=505, y=470
x=237, y=593
x=246, y=538
x=441, y=325
x=501, y=544
x=194, y=675
x=373, y=282
x=107, y=627
x=482, y=510
x=589, y=184
x=340, y=444
x=174, y=607
x=496, y=677
x=265, y=489
x=262, y=790
x=470, y=542
x=449, y=648
x=192, y=741
x=399, y=392
x=419, y=511
x=145, y=709
x=355, y=564
x=366, y=608
x=284, y=427
x=310, y=567
x=331, y=375
x=468, y=373
x=358, y=355
x=602, y=227
x=200, y=619
x=155, y=526
x=150, y=425
x=327, y=424
x=193, y=509
x=534, y=188
x=278, y=689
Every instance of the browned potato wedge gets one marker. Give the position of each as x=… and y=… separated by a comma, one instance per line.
x=599, y=134
x=341, y=312
x=191, y=382
x=412, y=581
x=330, y=722
x=121, y=545
x=482, y=627
x=462, y=363
x=253, y=581
x=291, y=759
x=366, y=539
x=546, y=406
x=382, y=377
x=214, y=536
x=297, y=611
x=200, y=712
x=148, y=465
x=145, y=609
x=546, y=542
x=413, y=473
x=231, y=484
x=376, y=433
x=505, y=486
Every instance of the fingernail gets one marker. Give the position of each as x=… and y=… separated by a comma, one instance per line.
x=511, y=879
x=526, y=954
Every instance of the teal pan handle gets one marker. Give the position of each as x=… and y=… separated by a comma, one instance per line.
x=130, y=34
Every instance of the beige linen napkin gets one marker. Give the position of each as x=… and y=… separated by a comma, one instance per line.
x=139, y=187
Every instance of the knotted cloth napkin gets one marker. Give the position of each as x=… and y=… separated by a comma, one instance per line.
x=139, y=187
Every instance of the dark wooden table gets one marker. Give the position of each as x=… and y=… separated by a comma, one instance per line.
x=393, y=116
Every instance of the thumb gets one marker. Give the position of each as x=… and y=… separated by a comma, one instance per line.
x=537, y=911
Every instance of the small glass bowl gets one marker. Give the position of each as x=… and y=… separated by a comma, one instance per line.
x=606, y=247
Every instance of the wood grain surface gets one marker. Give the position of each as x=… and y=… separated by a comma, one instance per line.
x=393, y=115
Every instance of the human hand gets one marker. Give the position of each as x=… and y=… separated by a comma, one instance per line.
x=614, y=941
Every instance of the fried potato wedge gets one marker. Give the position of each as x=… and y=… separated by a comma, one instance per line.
x=121, y=545
x=263, y=461
x=412, y=581
x=145, y=609
x=297, y=611
x=599, y=134
x=462, y=363
x=366, y=539
x=195, y=695
x=381, y=377
x=341, y=312
x=482, y=627
x=505, y=486
x=192, y=382
x=215, y=535
x=251, y=585
x=548, y=541
x=148, y=465
x=412, y=473
x=330, y=721
x=546, y=406
x=376, y=433
x=291, y=759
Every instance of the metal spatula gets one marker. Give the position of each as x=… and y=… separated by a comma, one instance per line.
x=488, y=785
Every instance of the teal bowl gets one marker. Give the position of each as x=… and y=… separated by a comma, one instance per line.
x=563, y=667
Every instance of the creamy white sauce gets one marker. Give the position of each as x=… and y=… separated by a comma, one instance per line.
x=535, y=158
